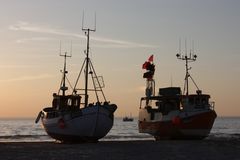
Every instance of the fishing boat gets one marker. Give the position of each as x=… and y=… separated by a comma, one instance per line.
x=173, y=114
x=71, y=118
x=128, y=118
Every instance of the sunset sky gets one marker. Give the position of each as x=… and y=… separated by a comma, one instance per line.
x=128, y=32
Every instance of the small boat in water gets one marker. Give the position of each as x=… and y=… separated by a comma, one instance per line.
x=70, y=119
x=128, y=119
x=172, y=114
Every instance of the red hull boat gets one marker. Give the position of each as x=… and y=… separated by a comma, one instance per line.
x=173, y=115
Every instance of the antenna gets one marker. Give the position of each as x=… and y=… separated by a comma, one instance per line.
x=65, y=53
x=83, y=20
x=179, y=49
x=87, y=28
x=60, y=48
x=193, y=46
x=95, y=22
x=185, y=47
x=187, y=58
x=71, y=49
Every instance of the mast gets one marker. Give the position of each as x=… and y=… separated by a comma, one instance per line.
x=63, y=83
x=87, y=33
x=187, y=59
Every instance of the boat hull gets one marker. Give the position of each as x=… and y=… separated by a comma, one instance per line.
x=87, y=124
x=182, y=125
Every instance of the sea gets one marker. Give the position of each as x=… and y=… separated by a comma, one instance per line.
x=25, y=130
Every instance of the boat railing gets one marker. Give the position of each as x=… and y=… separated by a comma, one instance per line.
x=53, y=113
x=212, y=105
x=50, y=112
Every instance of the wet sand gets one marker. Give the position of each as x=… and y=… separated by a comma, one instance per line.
x=123, y=150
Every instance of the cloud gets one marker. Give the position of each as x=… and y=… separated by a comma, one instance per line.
x=28, y=78
x=33, y=39
x=25, y=26
x=124, y=44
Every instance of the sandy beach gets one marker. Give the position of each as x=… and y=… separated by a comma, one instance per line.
x=119, y=150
